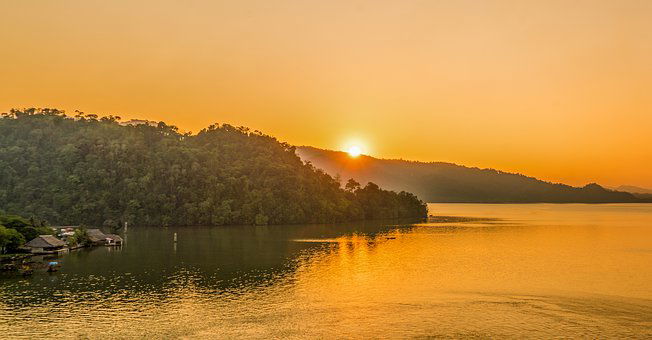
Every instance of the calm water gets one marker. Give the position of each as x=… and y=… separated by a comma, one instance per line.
x=501, y=271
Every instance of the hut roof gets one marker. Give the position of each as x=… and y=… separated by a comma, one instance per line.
x=114, y=237
x=95, y=235
x=45, y=241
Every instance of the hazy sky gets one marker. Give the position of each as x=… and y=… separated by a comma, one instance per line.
x=560, y=90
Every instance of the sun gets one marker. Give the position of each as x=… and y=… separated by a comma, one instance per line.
x=354, y=151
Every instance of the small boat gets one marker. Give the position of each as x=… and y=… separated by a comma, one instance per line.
x=53, y=266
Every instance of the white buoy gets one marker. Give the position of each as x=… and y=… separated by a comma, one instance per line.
x=175, y=237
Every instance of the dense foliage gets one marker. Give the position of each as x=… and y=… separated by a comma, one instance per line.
x=16, y=230
x=10, y=240
x=79, y=238
x=446, y=182
x=85, y=169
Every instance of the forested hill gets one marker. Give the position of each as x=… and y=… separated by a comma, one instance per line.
x=446, y=182
x=85, y=169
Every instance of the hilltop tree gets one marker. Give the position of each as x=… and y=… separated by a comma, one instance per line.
x=352, y=185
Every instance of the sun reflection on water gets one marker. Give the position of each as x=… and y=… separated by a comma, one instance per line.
x=448, y=278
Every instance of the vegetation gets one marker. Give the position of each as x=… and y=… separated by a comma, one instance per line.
x=80, y=237
x=85, y=169
x=16, y=230
x=446, y=182
x=10, y=240
x=378, y=203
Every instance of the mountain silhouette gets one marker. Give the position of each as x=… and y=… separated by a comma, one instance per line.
x=447, y=182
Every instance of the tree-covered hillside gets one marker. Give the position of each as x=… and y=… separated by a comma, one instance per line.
x=85, y=169
x=16, y=230
x=446, y=182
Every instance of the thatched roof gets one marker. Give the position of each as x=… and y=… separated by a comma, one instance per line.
x=45, y=241
x=95, y=235
x=114, y=237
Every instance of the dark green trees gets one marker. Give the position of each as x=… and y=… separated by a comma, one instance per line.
x=10, y=240
x=16, y=230
x=29, y=228
x=89, y=170
x=378, y=203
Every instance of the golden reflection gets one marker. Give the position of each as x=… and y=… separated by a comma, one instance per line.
x=553, y=272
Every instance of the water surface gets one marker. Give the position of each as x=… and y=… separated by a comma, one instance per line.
x=535, y=270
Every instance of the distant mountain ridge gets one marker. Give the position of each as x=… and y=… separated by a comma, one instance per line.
x=447, y=182
x=633, y=189
x=642, y=193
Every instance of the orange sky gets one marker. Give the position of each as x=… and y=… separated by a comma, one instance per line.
x=560, y=90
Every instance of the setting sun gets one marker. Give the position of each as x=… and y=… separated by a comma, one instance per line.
x=354, y=151
x=480, y=168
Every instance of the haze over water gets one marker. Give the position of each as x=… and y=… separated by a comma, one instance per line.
x=536, y=270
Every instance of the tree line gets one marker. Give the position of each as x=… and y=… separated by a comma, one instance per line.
x=16, y=230
x=84, y=169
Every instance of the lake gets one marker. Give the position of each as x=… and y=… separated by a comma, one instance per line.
x=475, y=270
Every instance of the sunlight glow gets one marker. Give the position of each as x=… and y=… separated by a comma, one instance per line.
x=354, y=151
